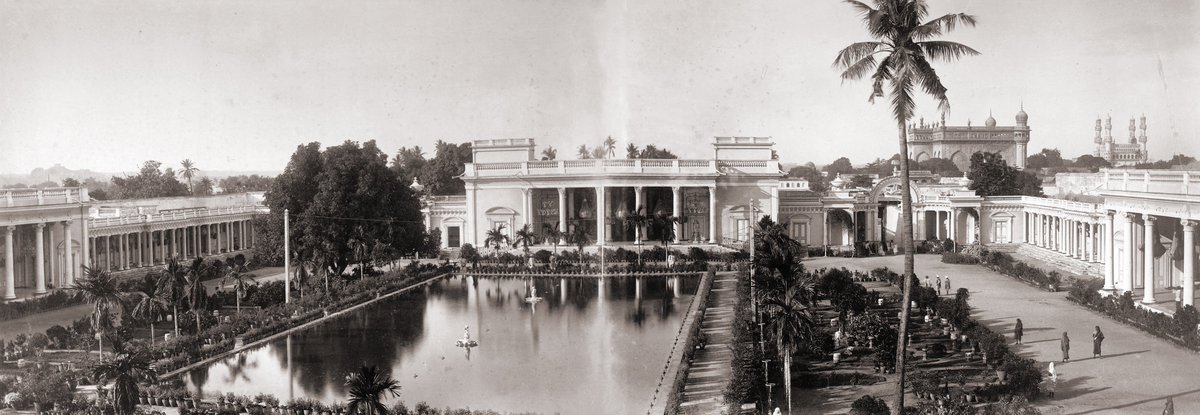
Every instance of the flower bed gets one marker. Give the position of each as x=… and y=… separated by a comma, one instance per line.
x=1180, y=329
x=53, y=301
x=1005, y=264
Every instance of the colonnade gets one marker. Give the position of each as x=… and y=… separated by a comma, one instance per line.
x=119, y=248
x=1137, y=262
x=1074, y=237
x=53, y=256
x=602, y=216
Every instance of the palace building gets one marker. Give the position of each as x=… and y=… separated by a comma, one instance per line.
x=1122, y=154
x=958, y=143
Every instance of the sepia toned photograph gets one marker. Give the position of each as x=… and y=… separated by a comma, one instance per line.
x=661, y=207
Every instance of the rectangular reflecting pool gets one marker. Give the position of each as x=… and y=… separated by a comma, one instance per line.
x=588, y=346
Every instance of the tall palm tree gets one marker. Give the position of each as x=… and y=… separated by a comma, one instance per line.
x=367, y=388
x=125, y=369
x=99, y=289
x=610, y=147
x=194, y=291
x=638, y=220
x=631, y=151
x=549, y=153
x=188, y=171
x=150, y=307
x=791, y=320
x=907, y=46
x=554, y=234
x=496, y=238
x=241, y=281
x=583, y=152
x=171, y=285
x=580, y=237
x=524, y=237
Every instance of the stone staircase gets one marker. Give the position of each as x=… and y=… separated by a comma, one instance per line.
x=1040, y=256
x=708, y=376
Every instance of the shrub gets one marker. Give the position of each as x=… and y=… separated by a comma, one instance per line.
x=1024, y=376
x=869, y=405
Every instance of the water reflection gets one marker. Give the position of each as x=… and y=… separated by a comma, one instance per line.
x=589, y=346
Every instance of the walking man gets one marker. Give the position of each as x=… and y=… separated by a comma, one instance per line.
x=1066, y=347
x=1097, y=338
x=1018, y=331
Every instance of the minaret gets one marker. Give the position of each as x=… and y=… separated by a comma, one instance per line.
x=1132, y=131
x=1108, y=129
x=1142, y=138
x=1098, y=139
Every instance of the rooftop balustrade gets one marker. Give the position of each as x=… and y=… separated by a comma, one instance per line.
x=627, y=166
x=43, y=196
x=172, y=216
x=1177, y=182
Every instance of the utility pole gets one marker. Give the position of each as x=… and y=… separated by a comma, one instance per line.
x=287, y=264
x=753, y=223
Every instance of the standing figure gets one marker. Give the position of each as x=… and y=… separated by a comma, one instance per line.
x=1066, y=347
x=1052, y=381
x=1097, y=338
x=1018, y=331
x=947, y=284
x=927, y=281
x=939, y=285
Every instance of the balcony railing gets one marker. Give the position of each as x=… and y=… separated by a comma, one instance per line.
x=1152, y=181
x=43, y=197
x=627, y=166
x=1030, y=201
x=171, y=216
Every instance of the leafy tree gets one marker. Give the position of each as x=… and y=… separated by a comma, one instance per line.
x=583, y=153
x=1091, y=163
x=150, y=182
x=653, y=152
x=367, y=388
x=816, y=181
x=907, y=45
x=991, y=176
x=840, y=166
x=470, y=254
x=939, y=166
x=1176, y=160
x=861, y=181
x=1048, y=158
x=203, y=188
x=869, y=405
x=69, y=182
x=408, y=163
x=245, y=183
x=549, y=153
x=345, y=196
x=433, y=243
x=441, y=174
x=188, y=171
x=125, y=369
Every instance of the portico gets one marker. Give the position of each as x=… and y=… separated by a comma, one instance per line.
x=45, y=239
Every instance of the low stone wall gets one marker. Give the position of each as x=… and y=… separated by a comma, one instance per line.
x=667, y=396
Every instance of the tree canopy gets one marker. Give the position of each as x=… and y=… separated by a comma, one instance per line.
x=346, y=197
x=816, y=181
x=1047, y=158
x=991, y=176
x=150, y=182
x=245, y=183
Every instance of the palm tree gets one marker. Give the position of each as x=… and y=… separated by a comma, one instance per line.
x=188, y=171
x=150, y=307
x=99, y=289
x=580, y=237
x=125, y=369
x=791, y=321
x=524, y=238
x=666, y=226
x=496, y=238
x=171, y=285
x=554, y=234
x=610, y=147
x=367, y=388
x=631, y=151
x=907, y=46
x=194, y=291
x=583, y=152
x=241, y=281
x=549, y=153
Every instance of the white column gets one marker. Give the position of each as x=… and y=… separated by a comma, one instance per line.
x=677, y=210
x=1130, y=253
x=562, y=212
x=951, y=229
x=71, y=268
x=1109, y=275
x=107, y=259
x=1189, y=262
x=601, y=213
x=1148, y=278
x=84, y=244
x=525, y=194
x=712, y=216
x=123, y=245
x=637, y=204
x=775, y=204
x=10, y=291
x=470, y=224
x=40, y=268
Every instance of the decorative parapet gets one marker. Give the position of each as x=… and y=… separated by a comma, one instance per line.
x=1176, y=182
x=98, y=224
x=43, y=196
x=621, y=166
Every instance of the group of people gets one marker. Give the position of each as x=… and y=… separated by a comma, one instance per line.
x=940, y=284
x=1065, y=346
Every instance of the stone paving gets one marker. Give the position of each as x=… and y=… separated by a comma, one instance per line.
x=710, y=370
x=1136, y=375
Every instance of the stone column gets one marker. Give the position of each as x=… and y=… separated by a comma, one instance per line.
x=525, y=193
x=712, y=215
x=601, y=213
x=123, y=244
x=677, y=210
x=1189, y=262
x=1130, y=253
x=40, y=267
x=1109, y=275
x=107, y=259
x=10, y=291
x=1148, y=278
x=71, y=268
x=562, y=213
x=86, y=248
x=951, y=229
x=641, y=209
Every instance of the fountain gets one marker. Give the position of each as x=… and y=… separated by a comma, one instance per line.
x=466, y=340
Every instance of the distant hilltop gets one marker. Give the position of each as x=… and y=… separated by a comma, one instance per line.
x=58, y=172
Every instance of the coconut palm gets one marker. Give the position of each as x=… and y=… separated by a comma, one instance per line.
x=150, y=307
x=194, y=291
x=241, y=281
x=524, y=237
x=791, y=321
x=907, y=45
x=496, y=238
x=188, y=171
x=125, y=369
x=583, y=152
x=610, y=147
x=580, y=237
x=549, y=153
x=631, y=151
x=554, y=234
x=99, y=289
x=666, y=225
x=367, y=388
x=171, y=285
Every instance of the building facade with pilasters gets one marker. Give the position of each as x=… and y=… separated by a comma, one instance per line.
x=45, y=239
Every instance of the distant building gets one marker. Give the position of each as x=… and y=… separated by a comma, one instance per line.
x=1129, y=153
x=958, y=143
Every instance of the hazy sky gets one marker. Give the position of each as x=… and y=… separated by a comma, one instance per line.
x=237, y=85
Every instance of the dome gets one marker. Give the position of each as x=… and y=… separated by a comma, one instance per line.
x=990, y=122
x=1022, y=117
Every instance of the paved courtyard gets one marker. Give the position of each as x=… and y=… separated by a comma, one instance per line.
x=1136, y=375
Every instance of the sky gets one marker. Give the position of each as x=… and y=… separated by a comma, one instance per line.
x=236, y=85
